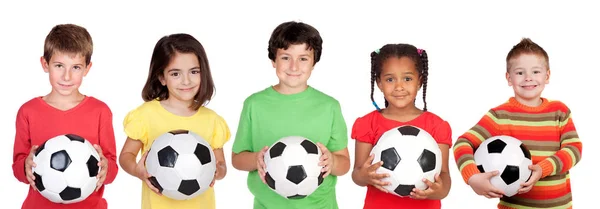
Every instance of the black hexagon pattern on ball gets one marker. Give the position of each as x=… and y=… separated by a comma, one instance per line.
x=296, y=174
x=496, y=146
x=188, y=187
x=177, y=132
x=390, y=158
x=40, y=148
x=74, y=137
x=60, y=160
x=404, y=190
x=510, y=174
x=309, y=147
x=70, y=193
x=409, y=130
x=202, y=153
x=277, y=150
x=167, y=157
x=426, y=160
x=92, y=165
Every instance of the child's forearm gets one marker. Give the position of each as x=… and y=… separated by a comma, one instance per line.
x=358, y=180
x=244, y=161
x=127, y=162
x=341, y=164
x=447, y=182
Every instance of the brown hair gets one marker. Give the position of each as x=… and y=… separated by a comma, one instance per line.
x=526, y=46
x=292, y=33
x=69, y=38
x=164, y=51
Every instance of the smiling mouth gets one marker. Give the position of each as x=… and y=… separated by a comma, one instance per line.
x=529, y=86
x=187, y=89
x=65, y=85
x=292, y=75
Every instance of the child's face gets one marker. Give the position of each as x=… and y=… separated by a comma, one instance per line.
x=528, y=76
x=66, y=72
x=182, y=77
x=294, y=66
x=399, y=82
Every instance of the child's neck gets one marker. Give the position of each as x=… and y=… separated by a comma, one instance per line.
x=535, y=102
x=62, y=102
x=178, y=107
x=283, y=89
x=401, y=114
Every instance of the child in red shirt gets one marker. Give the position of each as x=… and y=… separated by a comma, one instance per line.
x=67, y=59
x=399, y=70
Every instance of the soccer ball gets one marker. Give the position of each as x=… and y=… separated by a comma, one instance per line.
x=181, y=164
x=293, y=169
x=409, y=154
x=66, y=169
x=510, y=157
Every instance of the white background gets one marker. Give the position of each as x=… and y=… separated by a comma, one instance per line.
x=467, y=44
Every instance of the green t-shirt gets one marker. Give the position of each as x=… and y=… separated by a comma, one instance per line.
x=268, y=115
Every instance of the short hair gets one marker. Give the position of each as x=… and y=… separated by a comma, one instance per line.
x=293, y=33
x=526, y=46
x=164, y=51
x=69, y=38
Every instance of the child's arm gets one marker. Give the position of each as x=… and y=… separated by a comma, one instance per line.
x=129, y=165
x=364, y=172
x=250, y=161
x=221, y=165
x=563, y=160
x=22, y=149
x=463, y=155
x=336, y=163
x=107, y=146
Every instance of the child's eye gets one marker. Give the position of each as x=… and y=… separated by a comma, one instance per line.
x=58, y=65
x=195, y=71
x=389, y=79
x=284, y=58
x=304, y=59
x=408, y=79
x=77, y=67
x=519, y=73
x=174, y=74
x=536, y=72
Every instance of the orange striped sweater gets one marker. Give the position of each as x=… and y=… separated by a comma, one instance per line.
x=549, y=133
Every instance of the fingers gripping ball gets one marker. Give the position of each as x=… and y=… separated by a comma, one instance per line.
x=409, y=154
x=293, y=169
x=67, y=166
x=509, y=157
x=181, y=164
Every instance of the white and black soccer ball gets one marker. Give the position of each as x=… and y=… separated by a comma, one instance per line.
x=409, y=154
x=181, y=164
x=507, y=155
x=66, y=169
x=292, y=167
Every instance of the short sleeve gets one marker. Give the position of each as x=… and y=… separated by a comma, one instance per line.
x=221, y=133
x=135, y=126
x=362, y=131
x=443, y=133
x=339, y=130
x=243, y=135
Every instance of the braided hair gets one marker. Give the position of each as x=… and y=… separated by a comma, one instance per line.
x=418, y=56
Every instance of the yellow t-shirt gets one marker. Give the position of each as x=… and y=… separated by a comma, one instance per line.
x=150, y=120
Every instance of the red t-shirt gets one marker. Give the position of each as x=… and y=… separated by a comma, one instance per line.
x=370, y=127
x=37, y=122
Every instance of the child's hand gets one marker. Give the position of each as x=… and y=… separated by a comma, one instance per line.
x=326, y=160
x=260, y=163
x=480, y=183
x=369, y=173
x=217, y=173
x=430, y=191
x=142, y=173
x=103, y=168
x=29, y=164
x=536, y=173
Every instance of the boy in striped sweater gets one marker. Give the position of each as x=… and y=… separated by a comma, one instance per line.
x=544, y=126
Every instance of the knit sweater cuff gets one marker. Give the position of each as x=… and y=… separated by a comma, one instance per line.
x=468, y=171
x=547, y=167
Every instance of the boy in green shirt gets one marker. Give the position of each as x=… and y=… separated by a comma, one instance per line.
x=292, y=108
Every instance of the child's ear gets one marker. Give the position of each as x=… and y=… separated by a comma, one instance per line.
x=87, y=69
x=548, y=76
x=378, y=82
x=274, y=64
x=44, y=64
x=161, y=78
x=508, y=78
